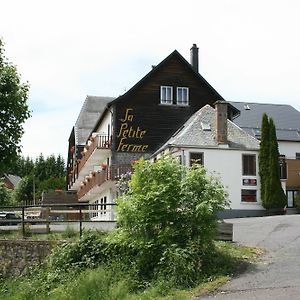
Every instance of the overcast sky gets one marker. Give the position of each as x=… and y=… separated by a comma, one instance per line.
x=248, y=51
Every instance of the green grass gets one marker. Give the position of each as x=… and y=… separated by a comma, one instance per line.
x=69, y=233
x=111, y=283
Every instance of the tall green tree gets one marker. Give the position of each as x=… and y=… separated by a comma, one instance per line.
x=41, y=174
x=14, y=110
x=23, y=194
x=273, y=192
x=5, y=195
x=263, y=156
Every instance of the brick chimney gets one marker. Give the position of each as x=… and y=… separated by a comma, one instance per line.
x=221, y=121
x=195, y=58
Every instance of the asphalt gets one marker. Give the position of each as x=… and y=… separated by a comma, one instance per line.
x=276, y=275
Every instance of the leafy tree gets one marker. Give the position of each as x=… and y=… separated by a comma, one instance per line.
x=168, y=216
x=24, y=192
x=5, y=195
x=274, y=194
x=13, y=111
x=264, y=155
x=52, y=183
x=40, y=174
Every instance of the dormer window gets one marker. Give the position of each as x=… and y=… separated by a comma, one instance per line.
x=166, y=95
x=182, y=96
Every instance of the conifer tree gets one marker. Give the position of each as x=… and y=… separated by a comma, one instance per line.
x=273, y=193
x=263, y=157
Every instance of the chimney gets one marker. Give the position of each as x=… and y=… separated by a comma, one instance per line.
x=221, y=121
x=194, y=58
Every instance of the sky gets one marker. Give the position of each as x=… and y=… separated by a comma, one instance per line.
x=248, y=51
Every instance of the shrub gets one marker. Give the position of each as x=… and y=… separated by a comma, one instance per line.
x=169, y=206
x=69, y=232
x=88, y=252
x=180, y=266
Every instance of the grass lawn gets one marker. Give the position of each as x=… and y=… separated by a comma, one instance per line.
x=103, y=283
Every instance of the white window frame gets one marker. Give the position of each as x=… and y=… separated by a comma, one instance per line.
x=182, y=101
x=94, y=209
x=164, y=99
x=103, y=202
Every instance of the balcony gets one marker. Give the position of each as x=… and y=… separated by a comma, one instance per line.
x=96, y=151
x=93, y=183
x=99, y=142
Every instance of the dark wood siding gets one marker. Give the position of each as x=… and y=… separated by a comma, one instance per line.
x=150, y=123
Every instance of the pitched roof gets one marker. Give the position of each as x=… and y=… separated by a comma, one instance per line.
x=285, y=117
x=14, y=179
x=199, y=132
x=155, y=69
x=91, y=110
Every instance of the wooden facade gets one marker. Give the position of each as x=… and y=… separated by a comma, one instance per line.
x=293, y=173
x=141, y=123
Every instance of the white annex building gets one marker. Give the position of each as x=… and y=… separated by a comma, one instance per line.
x=226, y=151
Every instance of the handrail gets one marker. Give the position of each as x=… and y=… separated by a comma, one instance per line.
x=98, y=178
x=98, y=142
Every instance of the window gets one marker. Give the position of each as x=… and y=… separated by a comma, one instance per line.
x=196, y=158
x=103, y=206
x=183, y=96
x=249, y=196
x=297, y=155
x=179, y=158
x=166, y=95
x=282, y=167
x=249, y=164
x=94, y=209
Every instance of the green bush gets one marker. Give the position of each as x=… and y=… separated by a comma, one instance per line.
x=166, y=229
x=88, y=252
x=169, y=206
x=179, y=266
x=69, y=232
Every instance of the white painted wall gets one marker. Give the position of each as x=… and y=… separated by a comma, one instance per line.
x=110, y=210
x=227, y=165
x=289, y=149
x=103, y=127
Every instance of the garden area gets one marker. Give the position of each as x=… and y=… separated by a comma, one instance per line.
x=164, y=246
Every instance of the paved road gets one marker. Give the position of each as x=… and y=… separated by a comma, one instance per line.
x=277, y=274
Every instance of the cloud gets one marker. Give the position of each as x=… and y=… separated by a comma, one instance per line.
x=70, y=49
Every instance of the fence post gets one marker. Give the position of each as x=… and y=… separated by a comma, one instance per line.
x=23, y=222
x=47, y=220
x=80, y=221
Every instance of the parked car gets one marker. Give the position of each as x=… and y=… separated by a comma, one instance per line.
x=9, y=218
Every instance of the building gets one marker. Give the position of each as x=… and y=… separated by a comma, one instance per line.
x=287, y=122
x=11, y=181
x=226, y=151
x=111, y=133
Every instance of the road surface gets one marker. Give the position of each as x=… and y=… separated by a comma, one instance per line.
x=277, y=274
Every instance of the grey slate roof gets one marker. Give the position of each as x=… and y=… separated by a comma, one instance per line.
x=194, y=133
x=285, y=117
x=92, y=108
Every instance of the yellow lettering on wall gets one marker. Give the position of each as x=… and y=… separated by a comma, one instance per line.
x=131, y=132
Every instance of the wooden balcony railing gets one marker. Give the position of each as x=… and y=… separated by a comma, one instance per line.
x=98, y=178
x=97, y=142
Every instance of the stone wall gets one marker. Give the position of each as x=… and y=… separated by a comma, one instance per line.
x=18, y=256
